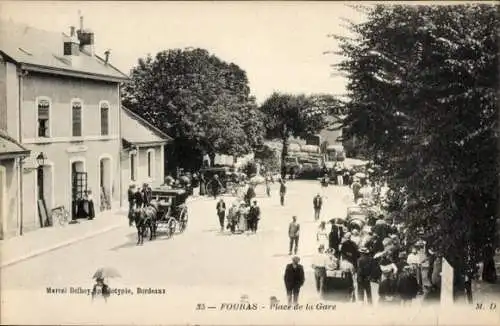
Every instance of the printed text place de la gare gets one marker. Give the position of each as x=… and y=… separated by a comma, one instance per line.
x=116, y=291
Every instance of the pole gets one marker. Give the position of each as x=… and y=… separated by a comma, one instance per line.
x=284, y=151
x=20, y=136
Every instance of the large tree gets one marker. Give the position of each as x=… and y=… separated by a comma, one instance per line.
x=203, y=102
x=289, y=115
x=423, y=84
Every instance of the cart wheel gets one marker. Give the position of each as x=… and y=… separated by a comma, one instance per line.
x=183, y=220
x=171, y=227
x=209, y=188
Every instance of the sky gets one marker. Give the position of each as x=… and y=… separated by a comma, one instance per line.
x=281, y=45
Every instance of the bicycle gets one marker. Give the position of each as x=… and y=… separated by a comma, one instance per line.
x=60, y=215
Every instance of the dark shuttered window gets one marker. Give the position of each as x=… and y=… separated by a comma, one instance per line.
x=132, y=167
x=43, y=118
x=150, y=164
x=77, y=119
x=104, y=119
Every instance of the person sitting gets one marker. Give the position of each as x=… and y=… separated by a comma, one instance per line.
x=169, y=180
x=334, y=262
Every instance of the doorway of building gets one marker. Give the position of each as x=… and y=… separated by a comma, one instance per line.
x=105, y=184
x=78, y=189
x=44, y=191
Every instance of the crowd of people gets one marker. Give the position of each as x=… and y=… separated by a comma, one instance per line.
x=362, y=254
x=376, y=252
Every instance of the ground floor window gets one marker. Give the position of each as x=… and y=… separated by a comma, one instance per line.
x=133, y=166
x=151, y=162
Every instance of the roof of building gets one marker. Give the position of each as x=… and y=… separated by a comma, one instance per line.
x=137, y=131
x=10, y=147
x=36, y=48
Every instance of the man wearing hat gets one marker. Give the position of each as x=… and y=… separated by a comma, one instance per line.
x=147, y=194
x=317, y=203
x=294, y=279
x=349, y=250
x=131, y=202
x=364, y=273
x=335, y=236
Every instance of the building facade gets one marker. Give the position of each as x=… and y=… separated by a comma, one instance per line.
x=11, y=155
x=143, y=154
x=62, y=102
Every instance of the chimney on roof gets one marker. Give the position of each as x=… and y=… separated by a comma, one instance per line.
x=86, y=37
x=106, y=56
x=72, y=46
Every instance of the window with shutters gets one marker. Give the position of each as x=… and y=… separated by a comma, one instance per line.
x=76, y=117
x=43, y=117
x=151, y=162
x=104, y=107
x=133, y=166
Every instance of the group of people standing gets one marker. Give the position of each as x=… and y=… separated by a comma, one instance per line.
x=240, y=217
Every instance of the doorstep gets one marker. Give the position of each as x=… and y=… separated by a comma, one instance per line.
x=38, y=242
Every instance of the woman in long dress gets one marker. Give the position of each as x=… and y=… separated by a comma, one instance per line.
x=243, y=214
x=322, y=235
x=232, y=218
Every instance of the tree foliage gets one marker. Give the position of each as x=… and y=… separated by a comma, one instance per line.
x=288, y=115
x=423, y=84
x=203, y=102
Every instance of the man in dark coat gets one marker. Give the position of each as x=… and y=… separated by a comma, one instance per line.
x=364, y=275
x=317, y=203
x=249, y=195
x=138, y=198
x=349, y=250
x=147, y=194
x=335, y=236
x=254, y=217
x=131, y=203
x=294, y=279
x=221, y=213
x=216, y=186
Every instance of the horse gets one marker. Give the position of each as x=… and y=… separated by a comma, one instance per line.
x=145, y=218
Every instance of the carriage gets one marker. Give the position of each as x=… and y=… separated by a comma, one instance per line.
x=338, y=284
x=172, y=212
x=229, y=179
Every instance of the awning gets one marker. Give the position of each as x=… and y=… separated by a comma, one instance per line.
x=10, y=148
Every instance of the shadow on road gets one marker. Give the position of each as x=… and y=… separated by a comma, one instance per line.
x=132, y=242
x=211, y=230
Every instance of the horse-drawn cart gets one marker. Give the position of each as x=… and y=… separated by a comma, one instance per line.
x=172, y=212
